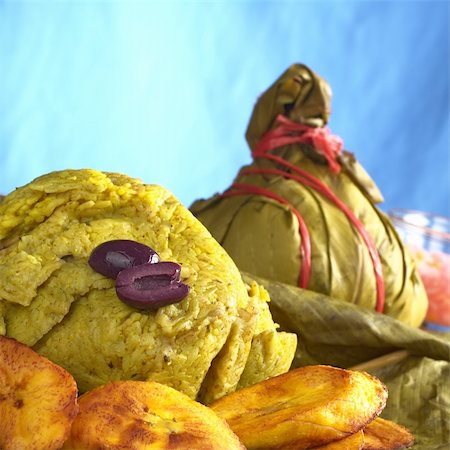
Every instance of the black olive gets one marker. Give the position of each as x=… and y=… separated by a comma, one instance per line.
x=150, y=286
x=111, y=257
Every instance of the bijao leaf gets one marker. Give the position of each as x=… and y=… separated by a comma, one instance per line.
x=306, y=193
x=335, y=332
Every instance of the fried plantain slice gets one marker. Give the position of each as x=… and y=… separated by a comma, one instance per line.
x=353, y=442
x=382, y=434
x=38, y=399
x=146, y=415
x=304, y=408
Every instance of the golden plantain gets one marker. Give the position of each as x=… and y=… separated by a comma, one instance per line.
x=38, y=399
x=146, y=415
x=382, y=434
x=304, y=408
x=353, y=442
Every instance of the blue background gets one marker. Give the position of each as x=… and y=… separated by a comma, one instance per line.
x=163, y=91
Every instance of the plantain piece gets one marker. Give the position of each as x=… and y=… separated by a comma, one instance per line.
x=353, y=442
x=382, y=434
x=146, y=415
x=304, y=408
x=38, y=399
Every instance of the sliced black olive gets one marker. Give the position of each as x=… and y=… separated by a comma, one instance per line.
x=150, y=286
x=111, y=257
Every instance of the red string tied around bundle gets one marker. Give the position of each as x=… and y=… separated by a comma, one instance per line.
x=330, y=146
x=289, y=132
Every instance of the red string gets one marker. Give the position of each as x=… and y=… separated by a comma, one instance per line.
x=305, y=244
x=323, y=189
x=288, y=132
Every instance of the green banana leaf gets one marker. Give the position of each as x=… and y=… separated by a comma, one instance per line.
x=338, y=333
x=262, y=234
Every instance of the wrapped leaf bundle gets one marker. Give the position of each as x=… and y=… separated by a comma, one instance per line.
x=304, y=211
